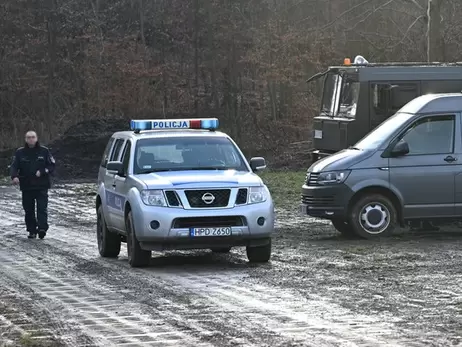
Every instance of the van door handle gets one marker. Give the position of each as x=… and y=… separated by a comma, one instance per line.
x=450, y=159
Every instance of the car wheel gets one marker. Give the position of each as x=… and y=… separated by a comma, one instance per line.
x=221, y=250
x=373, y=216
x=108, y=243
x=343, y=228
x=137, y=257
x=259, y=254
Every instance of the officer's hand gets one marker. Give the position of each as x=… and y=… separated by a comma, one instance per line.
x=37, y=173
x=15, y=180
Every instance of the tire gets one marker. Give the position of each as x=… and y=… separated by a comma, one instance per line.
x=221, y=250
x=260, y=254
x=344, y=228
x=137, y=257
x=108, y=243
x=373, y=216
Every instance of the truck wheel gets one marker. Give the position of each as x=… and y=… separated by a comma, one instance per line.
x=221, y=250
x=137, y=257
x=260, y=254
x=343, y=228
x=373, y=216
x=108, y=243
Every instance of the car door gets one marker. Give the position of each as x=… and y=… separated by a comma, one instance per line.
x=112, y=200
x=425, y=177
x=121, y=187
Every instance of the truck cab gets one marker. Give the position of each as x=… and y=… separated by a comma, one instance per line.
x=358, y=97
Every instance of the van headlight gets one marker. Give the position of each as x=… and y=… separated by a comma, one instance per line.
x=333, y=177
x=153, y=197
x=257, y=194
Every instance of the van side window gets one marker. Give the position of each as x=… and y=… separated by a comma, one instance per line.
x=106, y=152
x=431, y=135
x=116, y=151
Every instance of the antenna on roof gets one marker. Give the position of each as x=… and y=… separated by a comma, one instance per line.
x=360, y=60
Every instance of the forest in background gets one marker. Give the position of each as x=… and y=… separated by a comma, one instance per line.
x=243, y=61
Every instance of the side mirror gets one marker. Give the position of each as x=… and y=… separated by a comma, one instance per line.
x=401, y=148
x=115, y=168
x=257, y=164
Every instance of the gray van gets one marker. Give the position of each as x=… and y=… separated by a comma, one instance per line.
x=407, y=169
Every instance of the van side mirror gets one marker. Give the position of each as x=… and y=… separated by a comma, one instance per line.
x=115, y=168
x=257, y=164
x=401, y=148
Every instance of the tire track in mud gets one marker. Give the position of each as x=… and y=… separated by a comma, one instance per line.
x=217, y=306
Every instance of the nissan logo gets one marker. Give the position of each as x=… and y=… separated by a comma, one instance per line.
x=208, y=198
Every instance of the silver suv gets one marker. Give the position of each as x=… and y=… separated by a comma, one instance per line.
x=179, y=184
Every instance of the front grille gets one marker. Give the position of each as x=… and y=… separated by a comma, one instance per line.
x=312, y=179
x=318, y=200
x=172, y=198
x=203, y=222
x=241, y=197
x=220, y=197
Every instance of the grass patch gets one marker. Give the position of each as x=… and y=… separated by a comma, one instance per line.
x=27, y=340
x=285, y=186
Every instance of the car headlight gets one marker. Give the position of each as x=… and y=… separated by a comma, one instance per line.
x=333, y=177
x=153, y=197
x=257, y=194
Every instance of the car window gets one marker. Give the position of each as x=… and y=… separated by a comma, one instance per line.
x=431, y=135
x=106, y=152
x=116, y=151
x=187, y=153
x=126, y=156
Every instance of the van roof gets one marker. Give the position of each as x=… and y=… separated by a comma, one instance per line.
x=434, y=103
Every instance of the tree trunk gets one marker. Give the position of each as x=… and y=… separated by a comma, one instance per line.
x=434, y=37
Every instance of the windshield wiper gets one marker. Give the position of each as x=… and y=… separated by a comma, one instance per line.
x=153, y=170
x=210, y=168
x=355, y=148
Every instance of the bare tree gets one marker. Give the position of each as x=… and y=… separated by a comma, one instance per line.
x=435, y=45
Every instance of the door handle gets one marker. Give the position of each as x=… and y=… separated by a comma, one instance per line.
x=450, y=159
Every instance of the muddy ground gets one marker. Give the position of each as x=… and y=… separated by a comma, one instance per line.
x=319, y=289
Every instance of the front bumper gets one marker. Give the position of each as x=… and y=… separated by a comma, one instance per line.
x=175, y=223
x=327, y=202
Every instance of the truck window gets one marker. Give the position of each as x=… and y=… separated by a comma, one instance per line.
x=116, y=151
x=126, y=156
x=431, y=135
x=106, y=152
x=387, y=98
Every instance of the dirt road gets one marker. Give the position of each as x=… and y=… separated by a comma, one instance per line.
x=319, y=290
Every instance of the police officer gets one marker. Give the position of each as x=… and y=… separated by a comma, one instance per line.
x=31, y=169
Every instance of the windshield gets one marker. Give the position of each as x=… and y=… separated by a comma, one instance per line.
x=340, y=96
x=383, y=132
x=187, y=153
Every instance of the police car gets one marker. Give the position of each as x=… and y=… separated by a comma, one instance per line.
x=180, y=184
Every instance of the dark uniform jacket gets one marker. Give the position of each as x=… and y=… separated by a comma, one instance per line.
x=27, y=161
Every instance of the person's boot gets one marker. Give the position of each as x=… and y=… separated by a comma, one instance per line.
x=32, y=235
x=42, y=234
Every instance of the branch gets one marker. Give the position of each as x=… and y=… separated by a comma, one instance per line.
x=339, y=17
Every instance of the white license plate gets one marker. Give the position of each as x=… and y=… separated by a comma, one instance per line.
x=196, y=232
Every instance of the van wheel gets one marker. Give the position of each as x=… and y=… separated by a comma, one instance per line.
x=373, y=216
x=259, y=254
x=108, y=243
x=137, y=257
x=344, y=228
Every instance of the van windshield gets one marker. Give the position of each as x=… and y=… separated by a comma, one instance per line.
x=377, y=136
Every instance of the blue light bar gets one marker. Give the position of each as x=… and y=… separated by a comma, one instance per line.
x=169, y=124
